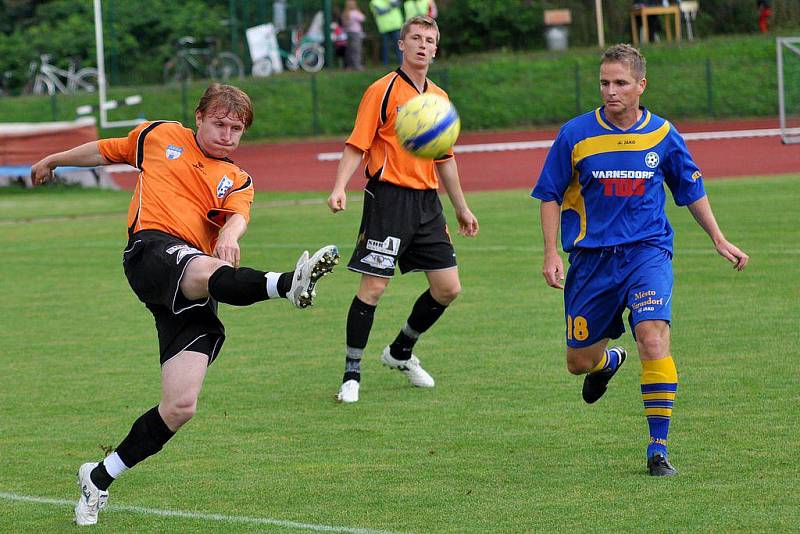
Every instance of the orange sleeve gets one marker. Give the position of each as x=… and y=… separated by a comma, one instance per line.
x=122, y=149
x=368, y=119
x=238, y=201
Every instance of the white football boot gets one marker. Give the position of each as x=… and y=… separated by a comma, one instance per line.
x=411, y=368
x=308, y=271
x=92, y=499
x=348, y=392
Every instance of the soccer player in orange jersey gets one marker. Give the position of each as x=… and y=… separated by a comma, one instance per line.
x=189, y=210
x=402, y=223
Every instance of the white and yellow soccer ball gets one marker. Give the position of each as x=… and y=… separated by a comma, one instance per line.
x=427, y=126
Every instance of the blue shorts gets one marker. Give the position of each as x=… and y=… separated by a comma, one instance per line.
x=601, y=283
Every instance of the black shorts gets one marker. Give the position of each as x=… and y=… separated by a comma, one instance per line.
x=154, y=264
x=403, y=227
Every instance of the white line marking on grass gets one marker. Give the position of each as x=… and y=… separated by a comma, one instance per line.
x=533, y=145
x=222, y=518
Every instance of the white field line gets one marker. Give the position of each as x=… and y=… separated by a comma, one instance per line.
x=221, y=518
x=533, y=145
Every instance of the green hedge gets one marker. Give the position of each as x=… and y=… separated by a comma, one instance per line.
x=728, y=77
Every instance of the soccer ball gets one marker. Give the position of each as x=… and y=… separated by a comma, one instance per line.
x=427, y=126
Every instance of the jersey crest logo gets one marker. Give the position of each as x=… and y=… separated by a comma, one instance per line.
x=174, y=152
x=651, y=159
x=224, y=184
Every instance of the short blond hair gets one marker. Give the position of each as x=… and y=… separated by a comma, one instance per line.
x=628, y=55
x=229, y=100
x=420, y=20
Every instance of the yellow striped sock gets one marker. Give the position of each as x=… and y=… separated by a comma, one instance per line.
x=659, y=381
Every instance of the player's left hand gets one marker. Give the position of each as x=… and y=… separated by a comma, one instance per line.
x=733, y=254
x=467, y=223
x=41, y=172
x=227, y=249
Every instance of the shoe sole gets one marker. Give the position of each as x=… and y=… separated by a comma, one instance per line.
x=323, y=266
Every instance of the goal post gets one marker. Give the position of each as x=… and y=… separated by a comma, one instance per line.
x=104, y=104
x=788, y=69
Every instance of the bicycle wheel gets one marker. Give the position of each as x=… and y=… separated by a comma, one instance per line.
x=43, y=85
x=86, y=80
x=311, y=57
x=226, y=66
x=262, y=68
x=176, y=71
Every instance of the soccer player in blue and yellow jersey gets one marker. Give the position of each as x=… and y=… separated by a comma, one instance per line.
x=190, y=208
x=604, y=181
x=402, y=224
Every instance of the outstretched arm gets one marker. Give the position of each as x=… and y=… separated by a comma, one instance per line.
x=701, y=211
x=86, y=155
x=467, y=222
x=553, y=265
x=351, y=159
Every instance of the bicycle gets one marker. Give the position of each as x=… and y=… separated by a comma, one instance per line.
x=47, y=78
x=190, y=60
x=306, y=54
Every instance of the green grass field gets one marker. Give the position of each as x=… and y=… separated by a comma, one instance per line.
x=502, y=444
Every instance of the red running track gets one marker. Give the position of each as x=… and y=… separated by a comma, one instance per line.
x=295, y=167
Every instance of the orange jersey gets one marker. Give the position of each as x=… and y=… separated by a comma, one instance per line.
x=180, y=190
x=374, y=133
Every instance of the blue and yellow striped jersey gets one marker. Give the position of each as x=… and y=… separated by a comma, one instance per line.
x=609, y=182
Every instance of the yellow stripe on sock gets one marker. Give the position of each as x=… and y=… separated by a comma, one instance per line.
x=658, y=396
x=601, y=364
x=666, y=412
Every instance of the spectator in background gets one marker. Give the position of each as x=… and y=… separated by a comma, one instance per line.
x=352, y=21
x=389, y=19
x=415, y=8
x=764, y=13
x=339, y=38
x=433, y=11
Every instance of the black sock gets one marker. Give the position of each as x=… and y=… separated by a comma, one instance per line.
x=240, y=287
x=285, y=284
x=425, y=312
x=148, y=435
x=100, y=477
x=359, y=324
x=352, y=369
x=403, y=345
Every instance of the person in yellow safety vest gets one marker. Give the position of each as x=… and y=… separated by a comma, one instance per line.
x=389, y=20
x=413, y=8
